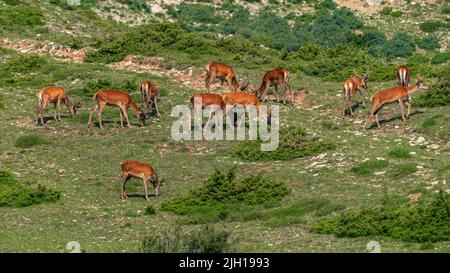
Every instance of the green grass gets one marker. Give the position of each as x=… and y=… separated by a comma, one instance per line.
x=402, y=170
x=369, y=167
x=400, y=152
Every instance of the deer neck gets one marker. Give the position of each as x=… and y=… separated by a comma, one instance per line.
x=135, y=108
x=411, y=89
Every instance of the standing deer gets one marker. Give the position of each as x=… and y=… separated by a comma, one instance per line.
x=131, y=168
x=276, y=77
x=391, y=95
x=244, y=99
x=215, y=101
x=351, y=86
x=55, y=95
x=149, y=96
x=117, y=98
x=221, y=71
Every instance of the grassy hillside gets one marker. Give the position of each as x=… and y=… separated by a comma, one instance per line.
x=325, y=190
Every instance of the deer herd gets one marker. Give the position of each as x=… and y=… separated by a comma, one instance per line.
x=238, y=95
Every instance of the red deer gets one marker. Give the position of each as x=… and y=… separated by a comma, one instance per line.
x=244, y=99
x=351, y=86
x=55, y=95
x=403, y=76
x=221, y=71
x=117, y=98
x=391, y=95
x=276, y=77
x=209, y=99
x=149, y=96
x=131, y=168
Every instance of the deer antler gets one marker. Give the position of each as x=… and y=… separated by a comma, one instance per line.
x=419, y=78
x=367, y=72
x=356, y=74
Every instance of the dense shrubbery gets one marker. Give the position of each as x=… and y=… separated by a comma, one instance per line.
x=431, y=26
x=194, y=13
x=440, y=58
x=16, y=194
x=439, y=95
x=172, y=240
x=411, y=222
x=429, y=43
x=224, y=190
x=294, y=143
x=20, y=16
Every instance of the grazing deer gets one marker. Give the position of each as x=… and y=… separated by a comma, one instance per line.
x=276, y=77
x=244, y=99
x=351, y=86
x=221, y=71
x=209, y=99
x=391, y=95
x=131, y=168
x=117, y=98
x=403, y=76
x=149, y=96
x=55, y=95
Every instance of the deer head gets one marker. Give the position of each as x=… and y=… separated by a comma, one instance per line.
x=421, y=84
x=74, y=107
x=142, y=117
x=244, y=85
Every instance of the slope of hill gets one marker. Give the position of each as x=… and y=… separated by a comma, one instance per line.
x=340, y=173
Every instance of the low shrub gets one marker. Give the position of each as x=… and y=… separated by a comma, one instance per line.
x=150, y=210
x=440, y=58
x=225, y=190
x=28, y=141
x=431, y=26
x=424, y=221
x=17, y=194
x=173, y=240
x=293, y=143
x=429, y=43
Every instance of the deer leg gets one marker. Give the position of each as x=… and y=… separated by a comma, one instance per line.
x=402, y=108
x=351, y=106
x=94, y=109
x=362, y=98
x=99, y=114
x=54, y=111
x=58, y=105
x=276, y=91
x=378, y=122
x=40, y=110
x=408, y=103
x=145, y=180
x=156, y=105
x=125, y=178
x=124, y=110
x=285, y=92
x=121, y=117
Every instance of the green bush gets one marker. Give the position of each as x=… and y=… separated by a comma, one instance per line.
x=400, y=152
x=411, y=222
x=28, y=141
x=172, y=240
x=149, y=210
x=439, y=95
x=369, y=167
x=293, y=143
x=446, y=10
x=224, y=190
x=386, y=11
x=440, y=58
x=429, y=43
x=194, y=13
x=16, y=194
x=431, y=26
x=20, y=16
x=23, y=63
